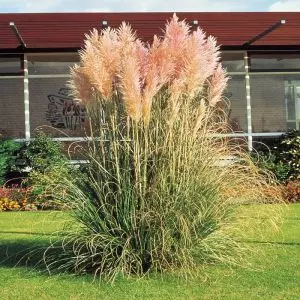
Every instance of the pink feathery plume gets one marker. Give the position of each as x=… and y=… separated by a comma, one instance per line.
x=175, y=40
x=196, y=67
x=148, y=78
x=127, y=39
x=159, y=70
x=217, y=84
x=195, y=58
x=109, y=53
x=80, y=85
x=125, y=34
x=176, y=33
x=161, y=61
x=212, y=55
x=200, y=61
x=142, y=53
x=131, y=88
x=129, y=73
x=100, y=58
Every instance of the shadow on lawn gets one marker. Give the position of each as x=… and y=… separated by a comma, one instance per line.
x=273, y=243
x=32, y=255
x=21, y=253
x=25, y=232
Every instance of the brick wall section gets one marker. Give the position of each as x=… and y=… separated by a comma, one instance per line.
x=12, y=118
x=268, y=103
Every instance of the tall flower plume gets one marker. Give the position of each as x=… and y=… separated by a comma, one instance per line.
x=183, y=61
x=217, y=84
x=130, y=70
x=100, y=59
x=80, y=85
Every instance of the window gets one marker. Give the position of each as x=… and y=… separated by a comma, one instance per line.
x=275, y=62
x=39, y=64
x=53, y=110
x=10, y=65
x=235, y=96
x=12, y=122
x=292, y=101
x=233, y=61
x=275, y=101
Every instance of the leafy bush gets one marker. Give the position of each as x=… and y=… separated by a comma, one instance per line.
x=289, y=153
x=269, y=161
x=282, y=158
x=45, y=157
x=41, y=154
x=28, y=162
x=31, y=160
x=45, y=194
x=155, y=197
x=8, y=149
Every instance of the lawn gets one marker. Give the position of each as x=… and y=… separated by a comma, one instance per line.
x=274, y=272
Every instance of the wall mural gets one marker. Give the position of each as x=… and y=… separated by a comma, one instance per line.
x=64, y=112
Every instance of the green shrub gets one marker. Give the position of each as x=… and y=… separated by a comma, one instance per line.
x=47, y=185
x=39, y=157
x=8, y=149
x=282, y=158
x=269, y=161
x=288, y=152
x=41, y=154
x=45, y=157
x=29, y=162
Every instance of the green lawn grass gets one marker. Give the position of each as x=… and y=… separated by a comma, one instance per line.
x=274, y=272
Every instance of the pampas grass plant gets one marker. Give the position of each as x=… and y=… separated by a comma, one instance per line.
x=155, y=196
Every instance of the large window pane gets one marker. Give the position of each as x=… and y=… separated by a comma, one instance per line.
x=12, y=122
x=275, y=61
x=52, y=109
x=292, y=100
x=10, y=65
x=236, y=97
x=233, y=61
x=51, y=64
x=275, y=101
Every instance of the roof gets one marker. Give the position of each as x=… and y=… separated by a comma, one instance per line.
x=66, y=30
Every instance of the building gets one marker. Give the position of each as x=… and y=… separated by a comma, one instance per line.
x=261, y=52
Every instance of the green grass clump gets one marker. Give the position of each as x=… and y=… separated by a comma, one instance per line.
x=155, y=196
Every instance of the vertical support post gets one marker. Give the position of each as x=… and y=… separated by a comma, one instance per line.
x=248, y=101
x=26, y=100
